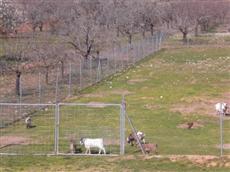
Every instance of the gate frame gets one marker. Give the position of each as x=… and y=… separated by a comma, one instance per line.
x=122, y=127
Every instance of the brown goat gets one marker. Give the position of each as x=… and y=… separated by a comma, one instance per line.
x=73, y=146
x=149, y=147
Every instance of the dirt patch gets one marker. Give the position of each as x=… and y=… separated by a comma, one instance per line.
x=196, y=159
x=225, y=146
x=121, y=92
x=13, y=140
x=200, y=105
x=195, y=125
x=118, y=158
x=93, y=169
x=152, y=106
x=147, y=98
x=200, y=160
x=103, y=94
x=96, y=95
x=134, y=81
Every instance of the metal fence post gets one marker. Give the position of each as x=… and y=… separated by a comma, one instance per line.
x=114, y=57
x=20, y=95
x=99, y=71
x=56, y=135
x=221, y=134
x=39, y=87
x=80, y=74
x=70, y=79
x=90, y=70
x=156, y=43
x=56, y=89
x=160, y=40
x=152, y=44
x=122, y=127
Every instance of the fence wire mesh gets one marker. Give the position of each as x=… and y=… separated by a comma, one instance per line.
x=64, y=80
x=16, y=137
x=40, y=85
x=54, y=128
x=89, y=121
x=224, y=125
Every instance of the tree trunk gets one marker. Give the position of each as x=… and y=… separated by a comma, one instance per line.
x=206, y=27
x=168, y=25
x=143, y=33
x=151, y=29
x=196, y=30
x=185, y=37
x=118, y=31
x=62, y=69
x=47, y=75
x=18, y=76
x=34, y=28
x=130, y=39
x=41, y=27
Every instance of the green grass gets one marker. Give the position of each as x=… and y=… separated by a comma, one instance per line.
x=70, y=164
x=181, y=75
x=100, y=164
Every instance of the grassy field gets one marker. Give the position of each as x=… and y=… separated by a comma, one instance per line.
x=179, y=84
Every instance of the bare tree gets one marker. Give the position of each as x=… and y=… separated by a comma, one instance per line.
x=183, y=17
x=14, y=59
x=83, y=29
x=167, y=14
x=45, y=55
x=8, y=17
x=209, y=14
x=152, y=15
x=127, y=21
x=39, y=12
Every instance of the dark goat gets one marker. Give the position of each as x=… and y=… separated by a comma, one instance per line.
x=131, y=139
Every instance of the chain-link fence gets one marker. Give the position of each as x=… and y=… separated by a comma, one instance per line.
x=91, y=121
x=57, y=129
x=27, y=129
x=224, y=125
x=40, y=86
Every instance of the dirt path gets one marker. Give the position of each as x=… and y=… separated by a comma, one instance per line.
x=12, y=140
x=200, y=160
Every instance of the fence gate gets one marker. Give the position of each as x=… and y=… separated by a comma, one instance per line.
x=18, y=139
x=92, y=120
x=55, y=126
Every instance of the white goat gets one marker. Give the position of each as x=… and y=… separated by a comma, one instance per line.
x=89, y=143
x=28, y=122
x=221, y=108
x=141, y=136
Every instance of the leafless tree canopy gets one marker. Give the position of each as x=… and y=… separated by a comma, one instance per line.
x=89, y=26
